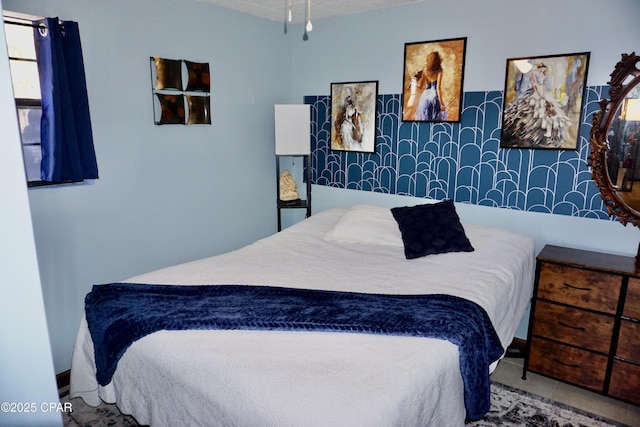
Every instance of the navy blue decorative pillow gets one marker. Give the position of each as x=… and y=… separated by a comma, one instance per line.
x=431, y=229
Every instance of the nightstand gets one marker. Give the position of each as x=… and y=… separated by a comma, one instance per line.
x=584, y=327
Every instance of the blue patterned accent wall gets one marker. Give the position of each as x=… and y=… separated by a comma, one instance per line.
x=461, y=161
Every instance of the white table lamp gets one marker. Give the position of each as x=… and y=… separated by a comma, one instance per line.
x=293, y=129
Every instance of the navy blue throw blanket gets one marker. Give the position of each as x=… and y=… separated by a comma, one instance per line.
x=120, y=313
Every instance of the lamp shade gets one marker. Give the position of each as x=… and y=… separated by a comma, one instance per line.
x=293, y=129
x=633, y=110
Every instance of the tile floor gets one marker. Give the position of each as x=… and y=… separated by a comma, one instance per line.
x=509, y=372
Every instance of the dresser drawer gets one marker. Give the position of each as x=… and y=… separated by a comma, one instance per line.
x=625, y=381
x=573, y=326
x=629, y=341
x=632, y=302
x=566, y=363
x=581, y=288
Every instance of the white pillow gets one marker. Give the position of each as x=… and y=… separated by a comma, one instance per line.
x=366, y=224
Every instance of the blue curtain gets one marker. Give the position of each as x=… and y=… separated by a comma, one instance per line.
x=66, y=136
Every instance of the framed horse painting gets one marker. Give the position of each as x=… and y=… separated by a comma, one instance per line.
x=353, y=116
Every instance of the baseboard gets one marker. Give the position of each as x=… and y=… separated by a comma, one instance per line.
x=63, y=379
x=517, y=348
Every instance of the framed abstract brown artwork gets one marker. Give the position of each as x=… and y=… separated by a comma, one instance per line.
x=180, y=91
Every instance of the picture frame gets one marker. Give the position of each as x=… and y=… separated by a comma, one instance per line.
x=354, y=116
x=433, y=77
x=180, y=91
x=543, y=101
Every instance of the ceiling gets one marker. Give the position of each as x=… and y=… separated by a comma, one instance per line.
x=275, y=9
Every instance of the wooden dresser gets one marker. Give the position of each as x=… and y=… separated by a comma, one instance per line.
x=585, y=321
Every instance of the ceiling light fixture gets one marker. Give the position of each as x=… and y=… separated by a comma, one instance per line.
x=309, y=26
x=287, y=14
x=288, y=17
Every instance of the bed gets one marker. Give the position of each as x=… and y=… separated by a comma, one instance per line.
x=245, y=377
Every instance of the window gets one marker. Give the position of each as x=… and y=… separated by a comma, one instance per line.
x=26, y=89
x=51, y=55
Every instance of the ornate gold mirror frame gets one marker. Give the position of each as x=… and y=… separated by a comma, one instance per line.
x=614, y=141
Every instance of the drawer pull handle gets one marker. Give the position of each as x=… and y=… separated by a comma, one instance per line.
x=565, y=364
x=579, y=328
x=575, y=287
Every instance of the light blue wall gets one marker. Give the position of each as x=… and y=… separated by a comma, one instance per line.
x=370, y=46
x=26, y=366
x=166, y=194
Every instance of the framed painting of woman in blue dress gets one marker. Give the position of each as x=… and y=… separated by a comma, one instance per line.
x=543, y=101
x=433, y=77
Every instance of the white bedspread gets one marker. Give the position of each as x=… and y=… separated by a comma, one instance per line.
x=260, y=378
